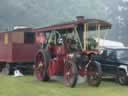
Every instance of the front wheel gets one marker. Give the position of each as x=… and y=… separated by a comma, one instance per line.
x=122, y=77
x=70, y=73
x=94, y=74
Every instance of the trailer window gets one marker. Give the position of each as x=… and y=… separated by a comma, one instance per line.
x=29, y=37
x=6, y=38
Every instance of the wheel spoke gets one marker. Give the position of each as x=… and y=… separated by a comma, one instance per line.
x=70, y=74
x=39, y=66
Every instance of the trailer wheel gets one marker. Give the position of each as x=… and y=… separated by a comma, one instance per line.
x=94, y=74
x=2, y=65
x=70, y=73
x=41, y=66
x=6, y=69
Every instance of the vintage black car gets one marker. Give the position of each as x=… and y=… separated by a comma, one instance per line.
x=114, y=63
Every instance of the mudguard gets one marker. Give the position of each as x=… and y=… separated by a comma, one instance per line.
x=124, y=67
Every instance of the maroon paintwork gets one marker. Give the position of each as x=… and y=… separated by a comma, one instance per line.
x=56, y=65
x=16, y=52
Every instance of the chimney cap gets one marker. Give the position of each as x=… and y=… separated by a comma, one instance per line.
x=80, y=18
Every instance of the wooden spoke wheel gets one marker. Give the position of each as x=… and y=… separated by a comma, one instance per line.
x=70, y=73
x=41, y=66
x=94, y=74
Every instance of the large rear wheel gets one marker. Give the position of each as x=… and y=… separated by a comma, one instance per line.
x=41, y=65
x=70, y=73
x=94, y=74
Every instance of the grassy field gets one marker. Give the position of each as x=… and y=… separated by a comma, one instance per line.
x=29, y=86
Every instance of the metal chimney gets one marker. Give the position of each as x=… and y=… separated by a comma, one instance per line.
x=80, y=18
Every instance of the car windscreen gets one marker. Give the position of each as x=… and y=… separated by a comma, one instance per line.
x=122, y=54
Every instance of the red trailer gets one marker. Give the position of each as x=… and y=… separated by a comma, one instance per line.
x=17, y=50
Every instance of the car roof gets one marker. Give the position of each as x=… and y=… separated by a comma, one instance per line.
x=117, y=48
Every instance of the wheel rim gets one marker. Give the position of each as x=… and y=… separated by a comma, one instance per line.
x=68, y=74
x=39, y=66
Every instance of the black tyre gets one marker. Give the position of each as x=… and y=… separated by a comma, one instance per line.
x=94, y=74
x=70, y=73
x=122, y=77
x=2, y=65
x=41, y=65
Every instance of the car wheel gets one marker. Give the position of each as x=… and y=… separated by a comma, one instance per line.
x=122, y=77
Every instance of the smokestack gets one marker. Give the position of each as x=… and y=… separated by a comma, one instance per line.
x=80, y=18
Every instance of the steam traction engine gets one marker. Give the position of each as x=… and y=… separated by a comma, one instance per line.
x=69, y=51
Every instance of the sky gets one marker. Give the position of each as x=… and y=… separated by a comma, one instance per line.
x=40, y=13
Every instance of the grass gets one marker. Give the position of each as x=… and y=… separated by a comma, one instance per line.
x=29, y=86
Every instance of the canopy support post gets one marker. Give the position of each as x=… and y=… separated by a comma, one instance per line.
x=78, y=36
x=85, y=36
x=98, y=34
